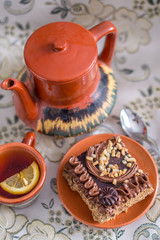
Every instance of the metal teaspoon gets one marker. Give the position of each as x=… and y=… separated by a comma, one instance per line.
x=135, y=128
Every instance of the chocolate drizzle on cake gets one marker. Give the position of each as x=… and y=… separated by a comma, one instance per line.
x=85, y=178
x=134, y=186
x=108, y=196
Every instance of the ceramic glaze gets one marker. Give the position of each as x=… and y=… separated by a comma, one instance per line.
x=68, y=88
x=57, y=48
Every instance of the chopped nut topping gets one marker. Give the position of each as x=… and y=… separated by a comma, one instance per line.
x=105, y=151
x=96, y=163
x=111, y=175
x=113, y=153
x=118, y=154
x=133, y=160
x=114, y=181
x=102, y=158
x=113, y=149
x=126, y=181
x=123, y=152
x=89, y=158
x=119, y=146
x=137, y=174
x=107, y=154
x=116, y=166
x=140, y=170
x=106, y=163
x=124, y=162
x=116, y=174
x=103, y=173
x=101, y=168
x=115, y=170
x=118, y=139
x=109, y=150
x=129, y=165
x=124, y=170
x=110, y=144
x=107, y=158
x=111, y=166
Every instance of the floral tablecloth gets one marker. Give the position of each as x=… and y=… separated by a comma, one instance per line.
x=136, y=67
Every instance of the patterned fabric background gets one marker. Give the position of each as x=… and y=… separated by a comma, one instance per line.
x=136, y=67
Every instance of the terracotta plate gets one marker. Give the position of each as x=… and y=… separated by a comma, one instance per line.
x=79, y=210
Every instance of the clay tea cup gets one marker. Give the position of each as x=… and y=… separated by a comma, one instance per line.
x=14, y=158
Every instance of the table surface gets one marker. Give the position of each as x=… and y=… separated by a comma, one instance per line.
x=136, y=68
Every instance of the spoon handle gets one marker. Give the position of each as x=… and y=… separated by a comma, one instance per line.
x=153, y=144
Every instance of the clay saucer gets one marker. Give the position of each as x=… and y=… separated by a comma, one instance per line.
x=77, y=207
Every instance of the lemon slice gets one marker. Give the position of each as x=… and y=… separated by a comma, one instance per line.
x=22, y=182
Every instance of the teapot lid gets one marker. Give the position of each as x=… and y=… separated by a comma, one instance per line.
x=60, y=51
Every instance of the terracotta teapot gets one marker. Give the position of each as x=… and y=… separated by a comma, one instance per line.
x=66, y=89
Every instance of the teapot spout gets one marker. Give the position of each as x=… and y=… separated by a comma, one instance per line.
x=29, y=106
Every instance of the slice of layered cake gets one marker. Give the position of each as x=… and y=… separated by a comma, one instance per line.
x=107, y=178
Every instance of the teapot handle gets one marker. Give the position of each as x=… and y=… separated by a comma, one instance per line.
x=107, y=29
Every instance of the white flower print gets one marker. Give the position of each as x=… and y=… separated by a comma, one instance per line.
x=10, y=223
x=132, y=30
x=11, y=56
x=91, y=14
x=38, y=230
x=53, y=148
x=18, y=7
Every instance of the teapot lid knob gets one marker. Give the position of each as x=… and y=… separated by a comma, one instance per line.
x=59, y=45
x=60, y=52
